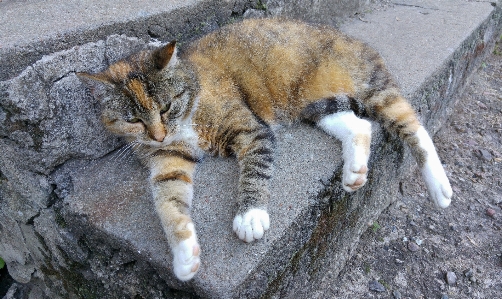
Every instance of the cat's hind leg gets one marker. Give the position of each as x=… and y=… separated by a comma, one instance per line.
x=355, y=134
x=398, y=116
x=432, y=170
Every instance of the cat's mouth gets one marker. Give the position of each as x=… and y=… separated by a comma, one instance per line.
x=168, y=139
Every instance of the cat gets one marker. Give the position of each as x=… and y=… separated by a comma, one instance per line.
x=224, y=95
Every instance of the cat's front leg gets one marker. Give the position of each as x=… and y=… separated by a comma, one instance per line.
x=254, y=149
x=171, y=183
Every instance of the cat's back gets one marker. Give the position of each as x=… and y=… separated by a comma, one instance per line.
x=282, y=65
x=270, y=42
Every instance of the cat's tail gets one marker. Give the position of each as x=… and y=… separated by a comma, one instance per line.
x=394, y=112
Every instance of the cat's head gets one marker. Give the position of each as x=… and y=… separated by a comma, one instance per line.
x=147, y=97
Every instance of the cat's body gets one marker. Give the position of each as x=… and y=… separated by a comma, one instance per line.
x=224, y=95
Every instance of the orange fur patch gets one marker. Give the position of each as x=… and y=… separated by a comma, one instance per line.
x=364, y=141
x=119, y=71
x=175, y=175
x=136, y=87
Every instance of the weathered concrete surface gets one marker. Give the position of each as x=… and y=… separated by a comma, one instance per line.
x=30, y=29
x=75, y=223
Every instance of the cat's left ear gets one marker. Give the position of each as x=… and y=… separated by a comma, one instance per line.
x=162, y=56
x=99, y=83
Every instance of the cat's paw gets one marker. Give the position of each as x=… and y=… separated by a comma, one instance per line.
x=251, y=225
x=437, y=183
x=354, y=178
x=355, y=168
x=186, y=253
x=433, y=173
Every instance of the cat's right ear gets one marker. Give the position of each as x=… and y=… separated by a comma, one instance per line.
x=93, y=78
x=98, y=83
x=164, y=56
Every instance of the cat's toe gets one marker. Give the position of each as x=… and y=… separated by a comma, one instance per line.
x=251, y=225
x=186, y=260
x=354, y=178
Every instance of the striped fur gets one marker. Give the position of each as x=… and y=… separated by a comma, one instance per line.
x=227, y=90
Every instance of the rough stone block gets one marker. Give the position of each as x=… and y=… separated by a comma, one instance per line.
x=75, y=214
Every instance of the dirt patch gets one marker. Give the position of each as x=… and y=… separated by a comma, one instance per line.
x=416, y=251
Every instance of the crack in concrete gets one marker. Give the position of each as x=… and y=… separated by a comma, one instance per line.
x=413, y=5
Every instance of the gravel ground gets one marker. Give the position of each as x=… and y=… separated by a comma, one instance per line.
x=416, y=251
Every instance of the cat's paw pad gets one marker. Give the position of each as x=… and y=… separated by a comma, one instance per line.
x=186, y=259
x=354, y=177
x=251, y=225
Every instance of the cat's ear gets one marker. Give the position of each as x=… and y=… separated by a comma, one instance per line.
x=162, y=56
x=98, y=83
x=91, y=79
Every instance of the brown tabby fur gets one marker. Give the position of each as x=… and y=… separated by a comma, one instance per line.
x=228, y=89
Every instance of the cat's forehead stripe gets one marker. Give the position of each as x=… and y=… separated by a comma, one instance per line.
x=136, y=88
x=120, y=71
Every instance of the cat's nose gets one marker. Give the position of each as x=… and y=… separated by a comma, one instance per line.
x=157, y=133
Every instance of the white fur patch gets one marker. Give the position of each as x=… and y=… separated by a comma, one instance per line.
x=346, y=126
x=186, y=259
x=252, y=225
x=433, y=173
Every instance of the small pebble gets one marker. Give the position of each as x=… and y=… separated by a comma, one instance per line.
x=376, y=286
x=490, y=212
x=412, y=246
x=444, y=296
x=482, y=105
x=451, y=278
x=396, y=294
x=485, y=155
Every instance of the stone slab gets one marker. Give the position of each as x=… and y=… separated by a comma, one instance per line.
x=307, y=160
x=32, y=28
x=89, y=227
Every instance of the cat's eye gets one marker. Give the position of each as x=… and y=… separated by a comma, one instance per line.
x=165, y=108
x=133, y=120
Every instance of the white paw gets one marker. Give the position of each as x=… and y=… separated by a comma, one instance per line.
x=437, y=184
x=186, y=260
x=251, y=225
x=354, y=177
x=433, y=173
x=355, y=168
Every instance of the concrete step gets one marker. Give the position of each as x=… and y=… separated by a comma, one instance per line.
x=103, y=228
x=30, y=29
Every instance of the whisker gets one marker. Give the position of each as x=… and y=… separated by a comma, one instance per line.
x=134, y=152
x=123, y=151
x=118, y=152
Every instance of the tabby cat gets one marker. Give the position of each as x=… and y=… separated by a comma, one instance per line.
x=224, y=95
